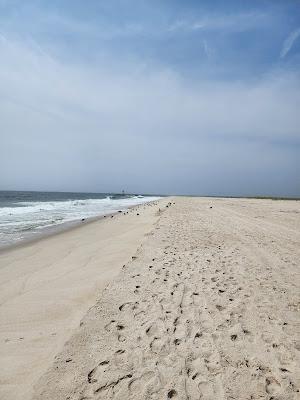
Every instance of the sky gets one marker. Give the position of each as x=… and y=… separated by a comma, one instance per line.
x=157, y=96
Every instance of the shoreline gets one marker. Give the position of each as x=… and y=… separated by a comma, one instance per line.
x=48, y=285
x=70, y=225
x=50, y=231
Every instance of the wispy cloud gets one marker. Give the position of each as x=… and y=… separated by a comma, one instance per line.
x=97, y=93
x=230, y=23
x=289, y=42
x=162, y=98
x=151, y=24
x=207, y=49
x=82, y=127
x=3, y=38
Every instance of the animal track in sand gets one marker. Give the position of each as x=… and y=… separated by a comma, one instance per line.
x=192, y=330
x=91, y=375
x=139, y=384
x=108, y=326
x=129, y=305
x=273, y=387
x=172, y=394
x=121, y=338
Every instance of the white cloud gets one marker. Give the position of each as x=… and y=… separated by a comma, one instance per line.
x=83, y=123
x=134, y=100
x=289, y=41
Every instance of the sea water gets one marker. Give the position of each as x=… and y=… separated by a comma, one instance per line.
x=24, y=214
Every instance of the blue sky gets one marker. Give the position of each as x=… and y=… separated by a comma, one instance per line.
x=151, y=96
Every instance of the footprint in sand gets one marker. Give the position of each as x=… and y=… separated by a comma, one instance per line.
x=273, y=387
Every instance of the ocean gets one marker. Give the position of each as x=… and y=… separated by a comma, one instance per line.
x=26, y=214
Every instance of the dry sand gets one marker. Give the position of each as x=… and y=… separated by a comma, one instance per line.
x=208, y=309
x=47, y=286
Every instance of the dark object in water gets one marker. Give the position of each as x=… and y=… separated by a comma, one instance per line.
x=119, y=211
x=82, y=219
x=137, y=214
x=210, y=207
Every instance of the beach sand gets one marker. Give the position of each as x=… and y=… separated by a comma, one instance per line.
x=48, y=285
x=208, y=308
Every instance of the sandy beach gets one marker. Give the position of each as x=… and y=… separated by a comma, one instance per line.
x=197, y=300
x=48, y=285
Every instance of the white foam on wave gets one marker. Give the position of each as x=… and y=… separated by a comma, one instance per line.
x=26, y=217
x=38, y=206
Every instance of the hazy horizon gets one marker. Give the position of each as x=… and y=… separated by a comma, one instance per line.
x=164, y=97
x=157, y=194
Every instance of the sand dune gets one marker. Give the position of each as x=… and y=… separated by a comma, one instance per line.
x=208, y=309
